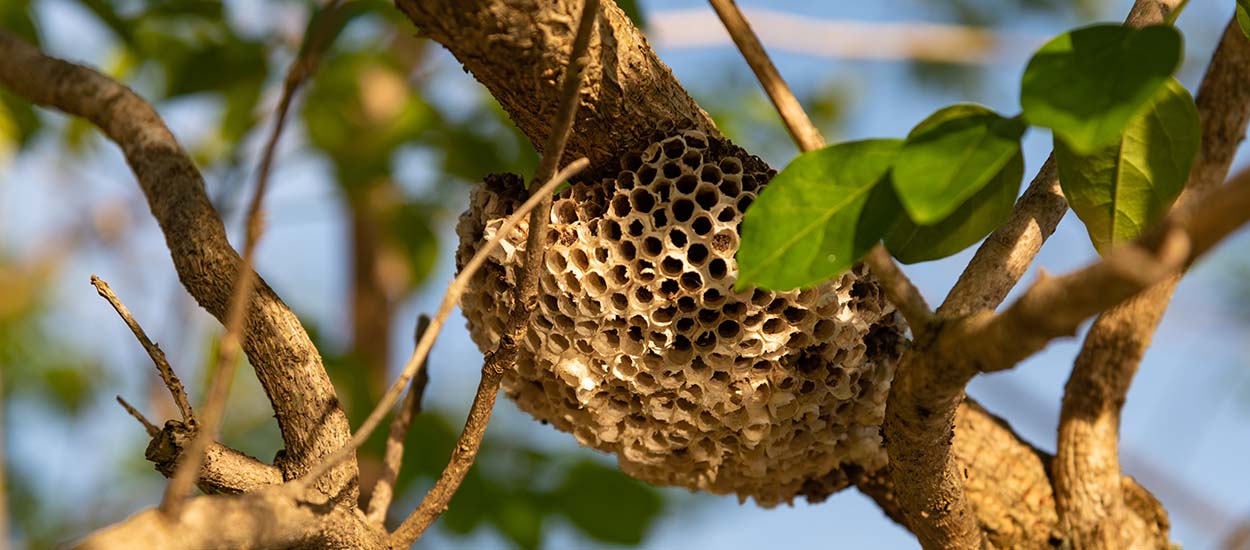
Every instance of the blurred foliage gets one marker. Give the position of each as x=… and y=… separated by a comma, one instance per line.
x=381, y=97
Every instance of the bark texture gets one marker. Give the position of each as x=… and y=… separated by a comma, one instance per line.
x=487, y=36
x=286, y=362
x=518, y=50
x=1092, y=506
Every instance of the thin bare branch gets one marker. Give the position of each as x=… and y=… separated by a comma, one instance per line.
x=898, y=288
x=147, y=425
x=228, y=352
x=384, y=489
x=451, y=297
x=154, y=351
x=503, y=358
x=1087, y=466
x=1006, y=254
x=287, y=364
x=801, y=129
x=1055, y=306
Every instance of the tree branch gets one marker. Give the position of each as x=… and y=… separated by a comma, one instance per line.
x=1087, y=466
x=503, y=358
x=1006, y=254
x=929, y=383
x=898, y=288
x=266, y=518
x=301, y=68
x=384, y=489
x=148, y=426
x=286, y=362
x=154, y=351
x=223, y=470
x=516, y=49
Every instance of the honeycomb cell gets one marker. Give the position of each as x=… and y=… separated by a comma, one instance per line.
x=641, y=347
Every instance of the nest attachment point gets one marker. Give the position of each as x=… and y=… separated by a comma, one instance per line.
x=640, y=347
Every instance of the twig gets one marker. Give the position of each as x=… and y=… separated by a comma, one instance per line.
x=384, y=489
x=902, y=293
x=503, y=358
x=1005, y=256
x=898, y=288
x=1087, y=465
x=286, y=362
x=154, y=351
x=228, y=351
x=451, y=297
x=147, y=426
x=1055, y=306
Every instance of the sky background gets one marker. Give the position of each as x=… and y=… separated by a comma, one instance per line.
x=1185, y=430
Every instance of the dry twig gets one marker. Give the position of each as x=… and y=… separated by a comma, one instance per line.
x=147, y=425
x=154, y=351
x=503, y=358
x=384, y=489
x=228, y=351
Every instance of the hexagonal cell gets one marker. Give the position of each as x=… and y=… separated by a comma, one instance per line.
x=640, y=346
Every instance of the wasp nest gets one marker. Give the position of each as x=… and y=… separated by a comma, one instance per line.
x=640, y=347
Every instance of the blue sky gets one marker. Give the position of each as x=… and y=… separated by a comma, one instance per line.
x=1185, y=423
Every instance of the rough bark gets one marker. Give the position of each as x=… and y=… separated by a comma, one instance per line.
x=262, y=519
x=1093, y=508
x=286, y=362
x=518, y=49
x=599, y=133
x=224, y=471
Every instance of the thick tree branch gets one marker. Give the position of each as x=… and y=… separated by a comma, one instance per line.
x=286, y=362
x=517, y=49
x=266, y=518
x=929, y=383
x=223, y=470
x=301, y=68
x=1087, y=467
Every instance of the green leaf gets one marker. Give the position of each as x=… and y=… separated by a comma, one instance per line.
x=950, y=156
x=606, y=504
x=18, y=122
x=1088, y=83
x=1122, y=188
x=972, y=221
x=16, y=17
x=1243, y=16
x=815, y=219
x=631, y=9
